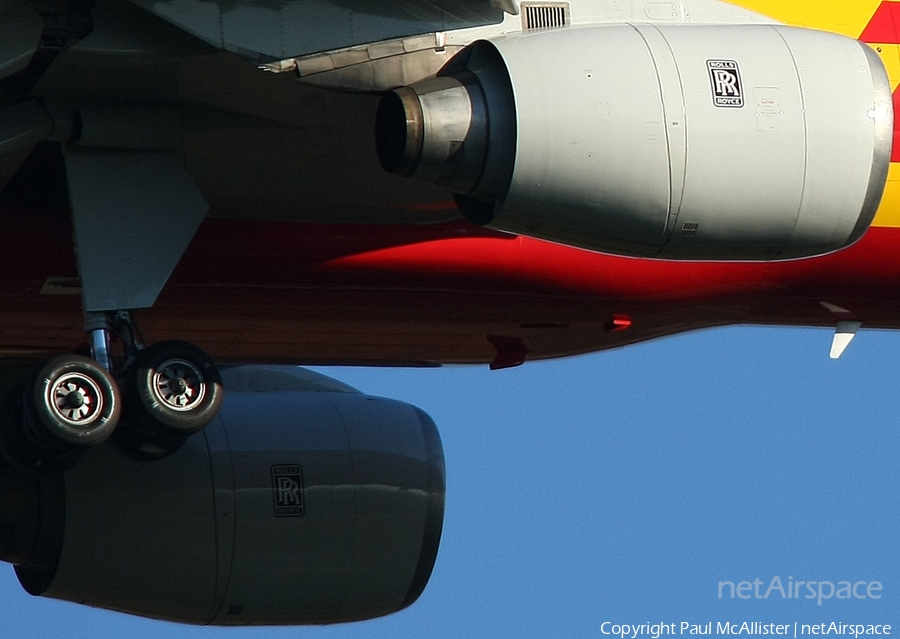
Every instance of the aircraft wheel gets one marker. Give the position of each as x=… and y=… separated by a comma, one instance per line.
x=176, y=386
x=73, y=401
x=20, y=450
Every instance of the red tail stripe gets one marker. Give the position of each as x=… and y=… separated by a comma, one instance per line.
x=882, y=28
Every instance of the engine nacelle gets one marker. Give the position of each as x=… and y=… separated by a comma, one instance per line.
x=732, y=142
x=304, y=502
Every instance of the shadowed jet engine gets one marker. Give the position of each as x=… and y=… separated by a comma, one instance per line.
x=304, y=502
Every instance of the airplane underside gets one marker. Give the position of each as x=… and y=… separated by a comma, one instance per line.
x=193, y=192
x=280, y=292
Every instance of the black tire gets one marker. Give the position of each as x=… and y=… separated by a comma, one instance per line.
x=174, y=387
x=73, y=401
x=19, y=449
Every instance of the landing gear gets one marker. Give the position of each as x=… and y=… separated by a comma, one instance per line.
x=20, y=446
x=174, y=390
x=134, y=213
x=73, y=400
x=69, y=405
x=175, y=386
x=160, y=396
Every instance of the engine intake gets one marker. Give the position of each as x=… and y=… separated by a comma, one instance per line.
x=726, y=142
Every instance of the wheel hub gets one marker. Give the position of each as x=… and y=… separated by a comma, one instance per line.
x=179, y=385
x=76, y=398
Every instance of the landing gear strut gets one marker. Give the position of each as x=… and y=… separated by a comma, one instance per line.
x=159, y=395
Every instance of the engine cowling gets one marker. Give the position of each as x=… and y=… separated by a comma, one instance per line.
x=737, y=142
x=304, y=502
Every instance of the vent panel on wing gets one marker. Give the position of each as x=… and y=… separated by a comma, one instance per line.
x=544, y=15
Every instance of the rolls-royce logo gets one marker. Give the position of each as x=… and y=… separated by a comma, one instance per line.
x=726, y=83
x=287, y=490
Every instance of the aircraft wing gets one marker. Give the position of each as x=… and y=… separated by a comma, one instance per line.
x=279, y=30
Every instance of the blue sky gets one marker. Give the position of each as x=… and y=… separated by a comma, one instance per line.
x=623, y=486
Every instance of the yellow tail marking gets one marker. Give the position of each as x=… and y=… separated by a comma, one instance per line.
x=889, y=212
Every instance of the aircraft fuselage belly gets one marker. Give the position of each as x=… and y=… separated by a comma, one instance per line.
x=422, y=294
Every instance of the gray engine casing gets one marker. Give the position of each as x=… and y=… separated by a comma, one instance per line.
x=727, y=142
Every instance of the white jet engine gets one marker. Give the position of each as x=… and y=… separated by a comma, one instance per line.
x=726, y=142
